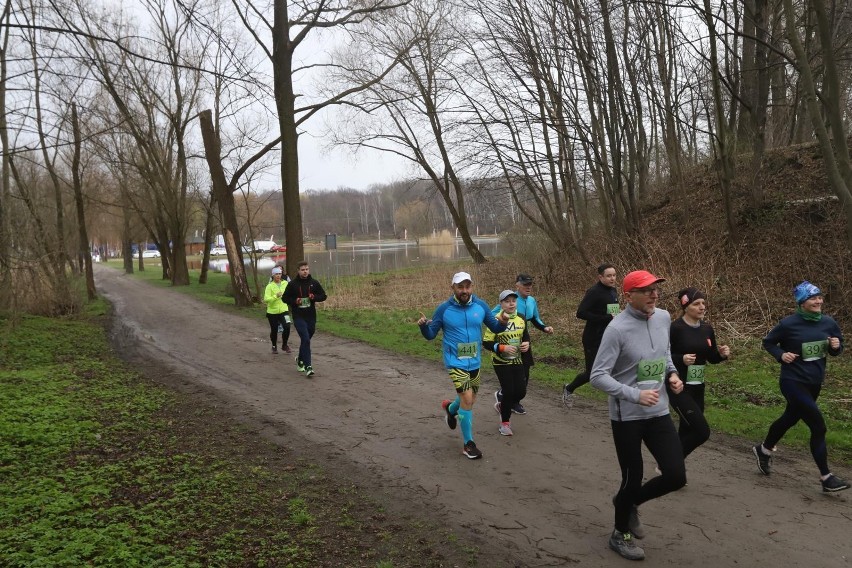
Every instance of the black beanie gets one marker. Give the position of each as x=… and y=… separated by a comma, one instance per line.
x=689, y=295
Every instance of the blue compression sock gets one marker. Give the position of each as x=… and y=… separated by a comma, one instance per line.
x=466, y=422
x=454, y=406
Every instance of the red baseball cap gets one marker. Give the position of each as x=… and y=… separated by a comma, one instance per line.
x=639, y=279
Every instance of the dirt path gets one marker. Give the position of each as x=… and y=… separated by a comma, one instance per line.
x=539, y=498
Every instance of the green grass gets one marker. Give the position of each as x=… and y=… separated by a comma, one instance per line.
x=100, y=467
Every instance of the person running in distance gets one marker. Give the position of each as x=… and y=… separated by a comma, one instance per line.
x=461, y=318
x=277, y=311
x=506, y=350
x=301, y=295
x=693, y=345
x=801, y=342
x=632, y=364
x=598, y=306
x=527, y=309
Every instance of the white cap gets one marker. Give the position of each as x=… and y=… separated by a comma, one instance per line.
x=506, y=293
x=276, y=270
x=460, y=277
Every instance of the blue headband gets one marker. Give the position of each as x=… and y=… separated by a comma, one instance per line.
x=804, y=291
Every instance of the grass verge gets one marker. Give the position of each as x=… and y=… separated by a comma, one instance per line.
x=101, y=467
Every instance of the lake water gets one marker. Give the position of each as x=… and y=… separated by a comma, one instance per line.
x=375, y=256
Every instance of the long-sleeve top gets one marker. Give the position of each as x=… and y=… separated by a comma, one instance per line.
x=516, y=333
x=527, y=309
x=301, y=295
x=274, y=302
x=808, y=340
x=598, y=306
x=462, y=327
x=633, y=356
x=700, y=340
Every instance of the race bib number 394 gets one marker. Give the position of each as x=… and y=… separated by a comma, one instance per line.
x=814, y=350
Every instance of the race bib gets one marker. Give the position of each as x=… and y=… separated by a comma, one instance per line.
x=516, y=343
x=814, y=350
x=466, y=350
x=650, y=373
x=304, y=302
x=287, y=319
x=613, y=309
x=695, y=375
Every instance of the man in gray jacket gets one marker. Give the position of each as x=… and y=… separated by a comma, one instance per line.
x=631, y=366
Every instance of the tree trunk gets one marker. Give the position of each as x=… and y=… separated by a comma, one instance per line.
x=85, y=253
x=285, y=102
x=225, y=199
x=208, y=239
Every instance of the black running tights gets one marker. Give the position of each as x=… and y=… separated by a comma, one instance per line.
x=661, y=439
x=801, y=405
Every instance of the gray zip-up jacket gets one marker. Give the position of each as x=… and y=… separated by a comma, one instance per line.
x=630, y=339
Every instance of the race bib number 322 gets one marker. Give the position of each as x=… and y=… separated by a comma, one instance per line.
x=650, y=373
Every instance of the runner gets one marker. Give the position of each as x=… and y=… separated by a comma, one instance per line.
x=632, y=364
x=301, y=295
x=693, y=345
x=461, y=318
x=598, y=306
x=506, y=350
x=276, y=311
x=800, y=342
x=527, y=309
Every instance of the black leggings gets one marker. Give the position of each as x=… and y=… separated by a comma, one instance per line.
x=662, y=441
x=801, y=405
x=692, y=427
x=513, y=384
x=274, y=321
x=589, y=353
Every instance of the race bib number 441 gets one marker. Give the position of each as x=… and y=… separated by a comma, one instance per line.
x=466, y=350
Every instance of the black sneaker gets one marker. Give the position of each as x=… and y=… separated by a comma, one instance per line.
x=633, y=522
x=764, y=462
x=471, y=451
x=518, y=409
x=833, y=483
x=309, y=371
x=275, y=350
x=624, y=544
x=451, y=418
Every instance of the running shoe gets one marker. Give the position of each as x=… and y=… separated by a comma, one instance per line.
x=833, y=483
x=505, y=428
x=764, y=462
x=636, y=527
x=518, y=409
x=451, y=418
x=275, y=350
x=299, y=365
x=624, y=544
x=287, y=349
x=498, y=406
x=309, y=371
x=471, y=451
x=567, y=397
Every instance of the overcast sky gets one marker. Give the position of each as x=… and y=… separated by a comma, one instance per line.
x=332, y=169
